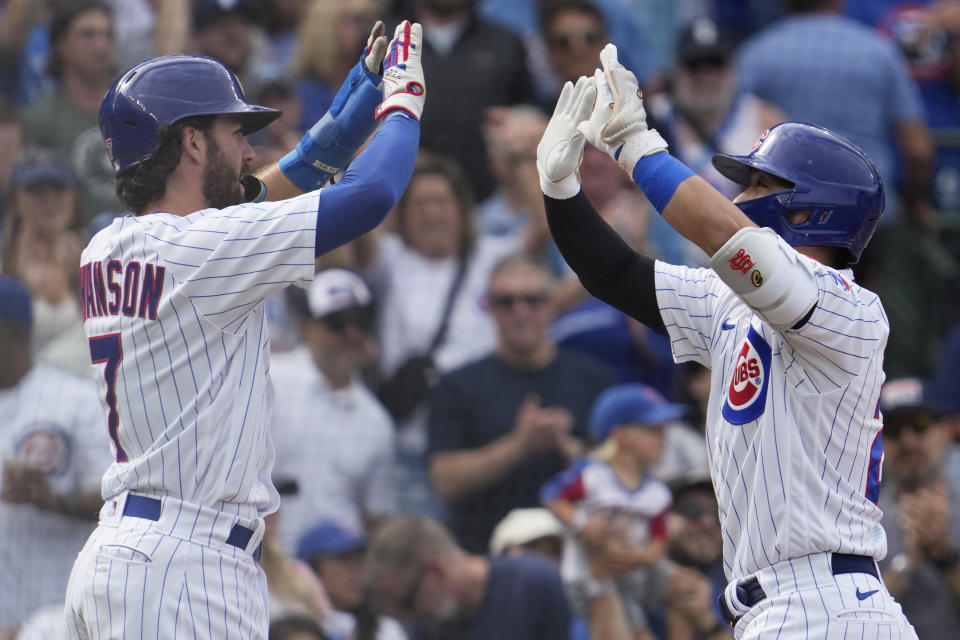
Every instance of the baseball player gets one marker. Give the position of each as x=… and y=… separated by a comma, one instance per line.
x=794, y=345
x=172, y=301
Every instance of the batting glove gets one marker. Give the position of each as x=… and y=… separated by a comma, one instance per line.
x=376, y=49
x=625, y=133
x=403, y=86
x=329, y=144
x=561, y=147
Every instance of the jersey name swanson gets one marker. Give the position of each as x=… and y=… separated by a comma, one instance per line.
x=114, y=288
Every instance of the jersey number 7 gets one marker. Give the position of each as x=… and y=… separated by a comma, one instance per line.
x=108, y=348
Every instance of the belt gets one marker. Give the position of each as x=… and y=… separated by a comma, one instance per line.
x=149, y=509
x=750, y=593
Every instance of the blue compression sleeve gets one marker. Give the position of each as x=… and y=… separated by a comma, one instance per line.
x=370, y=187
x=659, y=175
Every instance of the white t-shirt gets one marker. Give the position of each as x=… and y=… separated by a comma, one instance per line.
x=53, y=420
x=337, y=445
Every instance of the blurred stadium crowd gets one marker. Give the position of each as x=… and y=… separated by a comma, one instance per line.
x=446, y=389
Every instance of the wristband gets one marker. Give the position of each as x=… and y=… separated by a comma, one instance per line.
x=659, y=175
x=331, y=142
x=562, y=189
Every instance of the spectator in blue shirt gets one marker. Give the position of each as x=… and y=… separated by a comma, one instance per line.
x=824, y=68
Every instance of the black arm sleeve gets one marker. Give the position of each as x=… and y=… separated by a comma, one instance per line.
x=608, y=268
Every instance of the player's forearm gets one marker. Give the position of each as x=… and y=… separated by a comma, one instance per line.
x=696, y=210
x=605, y=264
x=457, y=474
x=371, y=186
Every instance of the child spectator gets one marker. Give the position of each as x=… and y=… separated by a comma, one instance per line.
x=613, y=506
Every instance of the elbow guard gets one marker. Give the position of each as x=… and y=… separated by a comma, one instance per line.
x=768, y=275
x=329, y=144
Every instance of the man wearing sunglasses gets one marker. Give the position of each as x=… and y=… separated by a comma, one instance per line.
x=499, y=427
x=331, y=434
x=921, y=510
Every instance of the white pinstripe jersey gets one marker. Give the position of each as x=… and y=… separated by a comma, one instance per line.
x=173, y=307
x=793, y=430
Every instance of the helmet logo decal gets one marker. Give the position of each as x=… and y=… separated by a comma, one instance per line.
x=741, y=261
x=763, y=136
x=756, y=278
x=747, y=395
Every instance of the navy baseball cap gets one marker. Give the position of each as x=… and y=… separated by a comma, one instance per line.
x=35, y=166
x=905, y=395
x=15, y=302
x=632, y=403
x=328, y=538
x=946, y=385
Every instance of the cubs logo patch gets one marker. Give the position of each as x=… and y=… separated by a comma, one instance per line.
x=747, y=395
x=45, y=447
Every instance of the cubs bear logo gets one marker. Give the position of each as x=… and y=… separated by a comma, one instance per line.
x=747, y=394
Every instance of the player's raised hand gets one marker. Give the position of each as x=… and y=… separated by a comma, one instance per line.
x=403, y=82
x=602, y=109
x=376, y=49
x=561, y=147
x=626, y=133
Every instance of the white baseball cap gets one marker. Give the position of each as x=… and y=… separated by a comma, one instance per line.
x=521, y=526
x=333, y=290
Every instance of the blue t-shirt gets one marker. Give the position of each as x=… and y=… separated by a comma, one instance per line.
x=638, y=354
x=832, y=71
x=907, y=24
x=478, y=403
x=524, y=601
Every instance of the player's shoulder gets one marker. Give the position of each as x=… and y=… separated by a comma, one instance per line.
x=677, y=276
x=839, y=289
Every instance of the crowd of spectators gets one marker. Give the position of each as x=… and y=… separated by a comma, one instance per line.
x=468, y=445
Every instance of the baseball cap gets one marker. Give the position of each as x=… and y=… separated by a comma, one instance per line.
x=521, y=526
x=15, y=302
x=704, y=40
x=630, y=403
x=328, y=538
x=947, y=380
x=36, y=165
x=334, y=290
x=206, y=12
x=901, y=394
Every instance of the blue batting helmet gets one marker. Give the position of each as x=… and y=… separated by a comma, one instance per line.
x=161, y=91
x=831, y=177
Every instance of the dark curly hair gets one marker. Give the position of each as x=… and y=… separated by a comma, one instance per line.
x=146, y=182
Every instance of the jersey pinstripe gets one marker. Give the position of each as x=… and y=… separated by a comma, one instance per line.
x=173, y=307
x=793, y=433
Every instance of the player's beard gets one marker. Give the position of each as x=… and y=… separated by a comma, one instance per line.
x=221, y=185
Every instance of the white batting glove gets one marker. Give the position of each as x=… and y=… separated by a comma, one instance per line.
x=561, y=147
x=602, y=110
x=626, y=132
x=375, y=50
x=403, y=86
